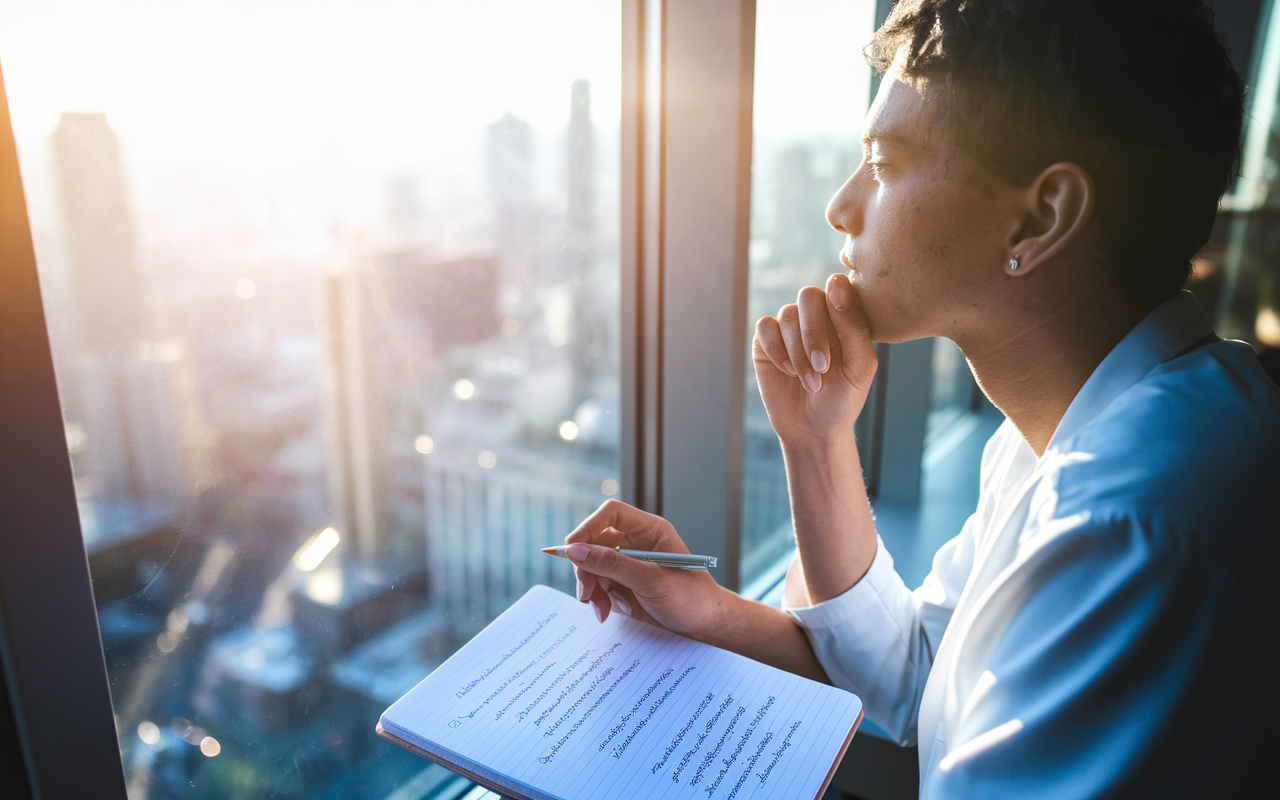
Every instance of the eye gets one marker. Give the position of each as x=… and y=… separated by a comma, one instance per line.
x=876, y=169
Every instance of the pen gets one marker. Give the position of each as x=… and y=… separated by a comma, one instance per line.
x=674, y=560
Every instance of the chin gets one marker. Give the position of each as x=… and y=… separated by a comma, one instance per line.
x=888, y=325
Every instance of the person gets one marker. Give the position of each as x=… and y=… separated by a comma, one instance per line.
x=1036, y=177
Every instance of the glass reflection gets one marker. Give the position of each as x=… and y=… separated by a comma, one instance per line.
x=1237, y=275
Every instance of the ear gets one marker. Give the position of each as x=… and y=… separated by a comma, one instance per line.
x=1056, y=207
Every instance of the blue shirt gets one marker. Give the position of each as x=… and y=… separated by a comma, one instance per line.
x=1103, y=625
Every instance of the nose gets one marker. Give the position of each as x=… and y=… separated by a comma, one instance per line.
x=844, y=212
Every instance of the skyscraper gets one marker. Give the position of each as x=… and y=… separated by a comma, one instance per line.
x=100, y=233
x=800, y=229
x=581, y=168
x=509, y=174
x=590, y=342
x=115, y=385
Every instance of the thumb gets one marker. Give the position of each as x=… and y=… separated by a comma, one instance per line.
x=638, y=576
x=857, y=353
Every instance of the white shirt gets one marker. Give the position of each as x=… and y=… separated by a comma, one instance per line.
x=1105, y=624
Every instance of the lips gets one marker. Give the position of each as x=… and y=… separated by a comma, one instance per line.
x=846, y=254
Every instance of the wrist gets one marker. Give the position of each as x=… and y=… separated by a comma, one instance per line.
x=723, y=612
x=823, y=445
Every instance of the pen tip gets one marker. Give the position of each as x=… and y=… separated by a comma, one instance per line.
x=551, y=551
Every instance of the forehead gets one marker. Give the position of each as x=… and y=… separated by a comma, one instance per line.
x=905, y=113
x=909, y=119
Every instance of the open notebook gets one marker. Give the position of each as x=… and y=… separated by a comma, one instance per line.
x=546, y=702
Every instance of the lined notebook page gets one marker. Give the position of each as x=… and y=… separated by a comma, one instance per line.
x=553, y=700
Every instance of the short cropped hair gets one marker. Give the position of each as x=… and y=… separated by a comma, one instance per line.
x=1139, y=93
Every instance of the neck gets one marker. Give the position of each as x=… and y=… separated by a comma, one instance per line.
x=1038, y=361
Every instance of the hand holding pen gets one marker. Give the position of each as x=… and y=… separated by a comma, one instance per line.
x=682, y=600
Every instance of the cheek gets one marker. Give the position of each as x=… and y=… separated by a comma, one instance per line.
x=909, y=236
x=920, y=258
x=944, y=232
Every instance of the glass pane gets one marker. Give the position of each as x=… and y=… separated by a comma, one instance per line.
x=333, y=293
x=1237, y=276
x=805, y=144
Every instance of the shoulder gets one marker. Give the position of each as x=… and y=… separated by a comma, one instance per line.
x=1194, y=433
x=1195, y=444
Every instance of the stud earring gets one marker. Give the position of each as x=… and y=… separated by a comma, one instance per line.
x=1013, y=264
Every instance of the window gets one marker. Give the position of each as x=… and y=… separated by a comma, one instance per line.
x=332, y=295
x=1236, y=277
x=921, y=433
x=804, y=145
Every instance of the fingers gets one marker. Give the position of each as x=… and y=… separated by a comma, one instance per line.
x=607, y=563
x=797, y=341
x=621, y=603
x=812, y=305
x=769, y=345
x=789, y=322
x=615, y=524
x=608, y=580
x=587, y=582
x=857, y=353
x=600, y=603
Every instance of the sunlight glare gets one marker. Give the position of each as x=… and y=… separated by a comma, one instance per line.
x=316, y=548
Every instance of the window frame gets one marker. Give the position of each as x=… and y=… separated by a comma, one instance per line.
x=58, y=696
x=686, y=154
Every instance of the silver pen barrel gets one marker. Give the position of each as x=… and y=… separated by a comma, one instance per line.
x=676, y=560
x=682, y=560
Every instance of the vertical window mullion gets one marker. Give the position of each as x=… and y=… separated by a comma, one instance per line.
x=634, y=453
x=708, y=56
x=49, y=640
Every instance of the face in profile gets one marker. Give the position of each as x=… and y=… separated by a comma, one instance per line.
x=927, y=227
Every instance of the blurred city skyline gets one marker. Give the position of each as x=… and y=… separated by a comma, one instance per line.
x=307, y=475
x=332, y=292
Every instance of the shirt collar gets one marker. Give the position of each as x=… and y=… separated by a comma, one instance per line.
x=1171, y=328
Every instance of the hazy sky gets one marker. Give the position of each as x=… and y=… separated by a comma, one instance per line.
x=325, y=100
x=810, y=74
x=272, y=81
x=284, y=79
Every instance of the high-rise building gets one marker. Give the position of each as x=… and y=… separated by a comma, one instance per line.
x=581, y=168
x=589, y=346
x=351, y=407
x=509, y=174
x=383, y=320
x=115, y=384
x=800, y=197
x=99, y=232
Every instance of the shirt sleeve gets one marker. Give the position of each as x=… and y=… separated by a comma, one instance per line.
x=877, y=640
x=1117, y=660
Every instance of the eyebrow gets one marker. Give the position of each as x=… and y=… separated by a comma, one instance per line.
x=883, y=137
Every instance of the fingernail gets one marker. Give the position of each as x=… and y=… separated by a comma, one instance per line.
x=599, y=613
x=786, y=365
x=813, y=381
x=582, y=594
x=839, y=298
x=577, y=552
x=622, y=605
x=819, y=360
